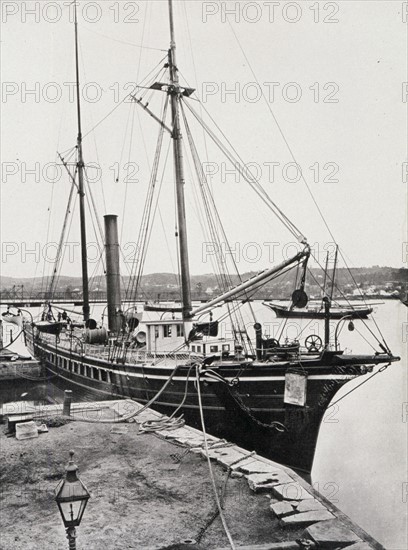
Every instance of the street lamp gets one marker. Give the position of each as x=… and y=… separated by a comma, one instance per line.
x=72, y=497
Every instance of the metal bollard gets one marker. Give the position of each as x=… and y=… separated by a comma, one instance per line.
x=67, y=403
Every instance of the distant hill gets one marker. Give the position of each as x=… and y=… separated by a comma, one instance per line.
x=371, y=280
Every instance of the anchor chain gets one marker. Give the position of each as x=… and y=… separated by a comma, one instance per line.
x=275, y=425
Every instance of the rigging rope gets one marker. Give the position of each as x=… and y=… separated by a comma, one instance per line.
x=381, y=369
x=301, y=172
x=215, y=224
x=139, y=259
x=58, y=257
x=248, y=176
x=217, y=499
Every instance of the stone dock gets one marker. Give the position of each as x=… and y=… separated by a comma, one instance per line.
x=18, y=369
x=152, y=489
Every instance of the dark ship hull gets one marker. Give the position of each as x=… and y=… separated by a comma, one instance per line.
x=241, y=400
x=309, y=313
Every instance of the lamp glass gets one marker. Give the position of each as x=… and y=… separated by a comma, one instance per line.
x=71, y=511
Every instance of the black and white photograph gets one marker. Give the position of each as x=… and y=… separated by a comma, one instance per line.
x=203, y=275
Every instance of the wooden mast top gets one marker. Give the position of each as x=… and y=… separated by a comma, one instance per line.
x=81, y=192
x=174, y=93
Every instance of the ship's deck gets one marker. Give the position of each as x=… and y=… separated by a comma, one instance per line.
x=120, y=353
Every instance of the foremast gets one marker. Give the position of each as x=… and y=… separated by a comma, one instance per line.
x=175, y=94
x=81, y=191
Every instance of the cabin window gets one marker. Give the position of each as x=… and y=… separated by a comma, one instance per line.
x=226, y=347
x=89, y=372
x=74, y=367
x=198, y=349
x=65, y=363
x=213, y=349
x=180, y=330
x=95, y=373
x=104, y=375
x=167, y=331
x=192, y=348
x=82, y=369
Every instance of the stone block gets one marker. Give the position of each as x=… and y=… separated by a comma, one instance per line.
x=310, y=505
x=285, y=545
x=26, y=430
x=125, y=407
x=253, y=466
x=265, y=482
x=360, y=546
x=14, y=419
x=281, y=509
x=331, y=534
x=291, y=491
x=228, y=456
x=42, y=428
x=307, y=518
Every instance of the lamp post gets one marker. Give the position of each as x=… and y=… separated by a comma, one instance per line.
x=72, y=497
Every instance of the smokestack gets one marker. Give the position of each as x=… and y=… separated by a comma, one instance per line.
x=113, y=273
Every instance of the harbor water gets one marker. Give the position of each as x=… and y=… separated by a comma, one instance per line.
x=361, y=457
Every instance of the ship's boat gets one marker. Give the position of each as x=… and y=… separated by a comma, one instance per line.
x=316, y=311
x=13, y=318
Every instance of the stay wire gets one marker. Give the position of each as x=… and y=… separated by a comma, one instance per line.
x=381, y=369
x=294, y=159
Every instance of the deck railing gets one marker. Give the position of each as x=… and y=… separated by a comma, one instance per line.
x=119, y=354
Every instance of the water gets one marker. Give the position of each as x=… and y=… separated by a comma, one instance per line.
x=361, y=456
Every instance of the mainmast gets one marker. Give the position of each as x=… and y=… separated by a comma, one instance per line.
x=175, y=93
x=81, y=192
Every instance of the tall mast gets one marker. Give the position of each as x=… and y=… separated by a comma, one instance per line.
x=175, y=93
x=81, y=192
x=324, y=291
x=334, y=272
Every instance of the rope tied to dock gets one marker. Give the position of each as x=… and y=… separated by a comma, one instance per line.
x=165, y=423
x=133, y=414
x=217, y=498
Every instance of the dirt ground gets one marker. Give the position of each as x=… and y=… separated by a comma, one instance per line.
x=146, y=493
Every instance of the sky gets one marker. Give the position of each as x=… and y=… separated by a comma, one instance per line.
x=315, y=85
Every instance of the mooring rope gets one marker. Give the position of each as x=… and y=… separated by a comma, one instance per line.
x=217, y=499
